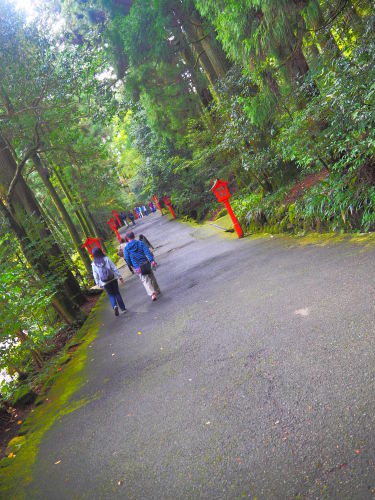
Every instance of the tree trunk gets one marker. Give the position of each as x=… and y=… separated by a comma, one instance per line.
x=202, y=90
x=62, y=303
x=93, y=225
x=25, y=213
x=188, y=28
x=69, y=197
x=44, y=175
x=214, y=53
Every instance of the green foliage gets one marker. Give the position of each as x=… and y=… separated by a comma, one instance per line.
x=24, y=308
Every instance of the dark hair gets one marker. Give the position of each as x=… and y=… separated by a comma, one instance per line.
x=141, y=237
x=123, y=240
x=97, y=252
x=130, y=236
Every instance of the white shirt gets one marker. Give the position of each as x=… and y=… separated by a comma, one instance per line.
x=109, y=264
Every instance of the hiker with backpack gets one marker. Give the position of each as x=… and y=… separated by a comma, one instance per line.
x=139, y=256
x=106, y=275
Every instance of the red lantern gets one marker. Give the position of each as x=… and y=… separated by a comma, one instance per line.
x=115, y=214
x=91, y=243
x=221, y=191
x=113, y=225
x=167, y=201
x=155, y=198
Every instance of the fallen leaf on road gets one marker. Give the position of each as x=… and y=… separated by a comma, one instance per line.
x=302, y=312
x=113, y=354
x=285, y=436
x=57, y=462
x=208, y=422
x=139, y=333
x=277, y=422
x=11, y=455
x=120, y=482
x=19, y=422
x=357, y=452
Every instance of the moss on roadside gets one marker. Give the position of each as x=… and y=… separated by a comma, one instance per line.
x=16, y=469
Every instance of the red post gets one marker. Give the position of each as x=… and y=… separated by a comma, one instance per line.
x=167, y=201
x=91, y=243
x=113, y=225
x=115, y=214
x=220, y=188
x=155, y=198
x=236, y=224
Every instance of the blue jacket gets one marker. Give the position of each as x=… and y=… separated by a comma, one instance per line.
x=136, y=253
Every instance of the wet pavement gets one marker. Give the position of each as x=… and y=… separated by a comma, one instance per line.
x=252, y=376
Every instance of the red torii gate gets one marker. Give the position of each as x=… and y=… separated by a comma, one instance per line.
x=91, y=243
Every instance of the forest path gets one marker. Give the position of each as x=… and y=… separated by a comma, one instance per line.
x=253, y=375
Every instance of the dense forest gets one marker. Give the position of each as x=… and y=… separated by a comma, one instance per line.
x=104, y=103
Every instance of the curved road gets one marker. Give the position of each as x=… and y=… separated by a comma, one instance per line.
x=253, y=376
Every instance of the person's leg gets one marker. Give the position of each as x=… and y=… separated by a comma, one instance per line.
x=154, y=283
x=147, y=284
x=151, y=285
x=109, y=289
x=117, y=295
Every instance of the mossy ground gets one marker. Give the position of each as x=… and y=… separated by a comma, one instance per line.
x=223, y=223
x=16, y=469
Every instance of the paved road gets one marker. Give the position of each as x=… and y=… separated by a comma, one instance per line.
x=254, y=376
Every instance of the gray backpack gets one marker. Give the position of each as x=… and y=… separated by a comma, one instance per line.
x=105, y=273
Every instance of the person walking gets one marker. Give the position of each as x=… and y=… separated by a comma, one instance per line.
x=106, y=275
x=120, y=253
x=139, y=256
x=131, y=217
x=122, y=216
x=143, y=238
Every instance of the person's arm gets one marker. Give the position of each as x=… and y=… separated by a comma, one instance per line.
x=127, y=258
x=114, y=269
x=95, y=275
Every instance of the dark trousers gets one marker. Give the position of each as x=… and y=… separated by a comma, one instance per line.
x=114, y=294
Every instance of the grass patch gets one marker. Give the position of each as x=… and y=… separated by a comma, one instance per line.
x=16, y=469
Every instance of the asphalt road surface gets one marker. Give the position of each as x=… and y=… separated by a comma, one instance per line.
x=253, y=376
